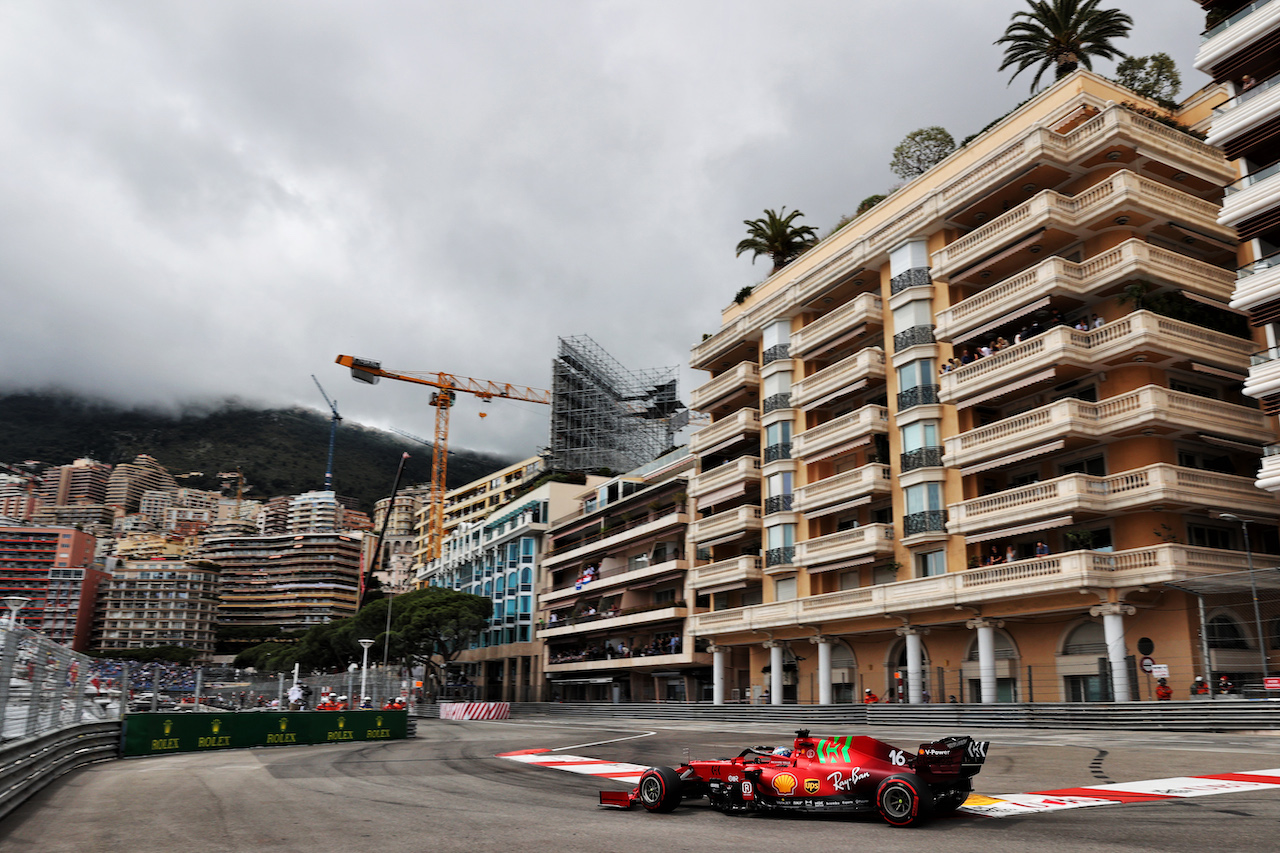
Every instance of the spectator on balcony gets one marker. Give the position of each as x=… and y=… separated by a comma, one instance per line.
x=1010, y=554
x=1097, y=322
x=994, y=557
x=1001, y=343
x=965, y=356
x=1247, y=83
x=1042, y=550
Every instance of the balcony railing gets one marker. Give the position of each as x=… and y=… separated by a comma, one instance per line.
x=873, y=539
x=1170, y=486
x=739, y=570
x=740, y=424
x=780, y=556
x=1233, y=19
x=867, y=480
x=1140, y=332
x=845, y=375
x=726, y=525
x=777, y=503
x=774, y=452
x=842, y=430
x=734, y=380
x=914, y=336
x=928, y=521
x=746, y=468
x=775, y=353
x=1148, y=406
x=921, y=395
x=1016, y=581
x=1056, y=275
x=916, y=277
x=862, y=309
x=921, y=457
x=774, y=402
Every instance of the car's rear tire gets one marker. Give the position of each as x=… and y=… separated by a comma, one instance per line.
x=903, y=800
x=952, y=798
x=659, y=789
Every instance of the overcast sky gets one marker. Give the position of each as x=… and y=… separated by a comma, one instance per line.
x=211, y=199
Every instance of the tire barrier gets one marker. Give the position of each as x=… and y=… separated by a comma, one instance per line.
x=28, y=764
x=475, y=710
x=161, y=734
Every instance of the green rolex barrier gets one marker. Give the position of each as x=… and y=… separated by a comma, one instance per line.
x=157, y=734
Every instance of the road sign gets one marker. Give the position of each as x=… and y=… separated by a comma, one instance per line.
x=1271, y=683
x=1160, y=670
x=1148, y=664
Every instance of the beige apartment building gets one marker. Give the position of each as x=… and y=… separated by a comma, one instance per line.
x=147, y=603
x=969, y=445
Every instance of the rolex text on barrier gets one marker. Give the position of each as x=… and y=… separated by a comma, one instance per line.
x=157, y=734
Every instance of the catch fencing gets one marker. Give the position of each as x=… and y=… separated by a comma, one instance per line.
x=45, y=686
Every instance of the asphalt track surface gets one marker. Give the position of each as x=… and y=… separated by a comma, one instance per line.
x=445, y=791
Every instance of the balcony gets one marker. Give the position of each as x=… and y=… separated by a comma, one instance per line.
x=915, y=336
x=1255, y=21
x=919, y=395
x=727, y=526
x=1251, y=196
x=1168, y=486
x=743, y=378
x=728, y=574
x=1244, y=114
x=1123, y=193
x=843, y=377
x=1257, y=283
x=782, y=556
x=1150, y=407
x=741, y=425
x=851, y=547
x=726, y=480
x=864, y=309
x=1060, y=277
x=613, y=538
x=611, y=580
x=623, y=621
x=842, y=488
x=1269, y=474
x=1141, y=336
x=840, y=434
x=639, y=663
x=1264, y=374
x=1024, y=579
x=921, y=457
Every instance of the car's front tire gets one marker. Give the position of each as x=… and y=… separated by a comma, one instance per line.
x=660, y=790
x=903, y=800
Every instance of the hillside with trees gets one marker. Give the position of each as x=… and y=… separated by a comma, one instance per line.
x=280, y=451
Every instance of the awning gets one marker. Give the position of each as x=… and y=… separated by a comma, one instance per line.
x=581, y=680
x=840, y=564
x=1234, y=445
x=1041, y=376
x=1218, y=371
x=854, y=333
x=713, y=498
x=728, y=442
x=834, y=395
x=837, y=450
x=1216, y=303
x=1006, y=532
x=1013, y=457
x=999, y=255
x=828, y=510
x=662, y=578
x=995, y=324
x=724, y=540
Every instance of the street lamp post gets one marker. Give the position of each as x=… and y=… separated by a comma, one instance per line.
x=14, y=603
x=364, y=669
x=1253, y=587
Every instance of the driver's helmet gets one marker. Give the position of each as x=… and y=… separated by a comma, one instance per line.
x=784, y=751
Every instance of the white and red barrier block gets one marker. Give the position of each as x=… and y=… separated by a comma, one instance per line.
x=475, y=710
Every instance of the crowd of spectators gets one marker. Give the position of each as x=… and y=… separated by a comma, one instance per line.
x=1082, y=324
x=659, y=646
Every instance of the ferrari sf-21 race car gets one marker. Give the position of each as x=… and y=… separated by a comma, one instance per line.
x=820, y=775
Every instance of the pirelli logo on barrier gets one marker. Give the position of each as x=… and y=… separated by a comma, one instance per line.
x=158, y=734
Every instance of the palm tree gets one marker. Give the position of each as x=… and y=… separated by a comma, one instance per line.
x=775, y=236
x=1063, y=33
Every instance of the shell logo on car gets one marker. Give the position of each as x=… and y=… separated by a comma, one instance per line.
x=784, y=784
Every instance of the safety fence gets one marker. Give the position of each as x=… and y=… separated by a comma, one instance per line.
x=45, y=686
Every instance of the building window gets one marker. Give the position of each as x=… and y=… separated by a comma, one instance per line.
x=931, y=564
x=784, y=589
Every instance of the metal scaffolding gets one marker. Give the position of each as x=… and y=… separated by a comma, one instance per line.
x=604, y=416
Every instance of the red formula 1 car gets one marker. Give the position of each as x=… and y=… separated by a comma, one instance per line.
x=822, y=775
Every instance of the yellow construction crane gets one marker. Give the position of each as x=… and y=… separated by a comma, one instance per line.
x=447, y=385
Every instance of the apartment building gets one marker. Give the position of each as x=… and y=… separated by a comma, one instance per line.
x=84, y=481
x=1241, y=51
x=295, y=581
x=148, y=603
x=395, y=564
x=615, y=600
x=54, y=569
x=130, y=481
x=967, y=445
x=500, y=556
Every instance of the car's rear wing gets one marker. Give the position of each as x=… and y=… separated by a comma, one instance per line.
x=951, y=758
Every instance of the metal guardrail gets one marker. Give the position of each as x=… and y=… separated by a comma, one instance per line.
x=27, y=765
x=1221, y=715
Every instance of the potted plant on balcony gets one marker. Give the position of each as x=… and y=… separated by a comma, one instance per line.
x=1078, y=540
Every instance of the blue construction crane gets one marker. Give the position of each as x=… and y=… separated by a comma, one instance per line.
x=333, y=430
